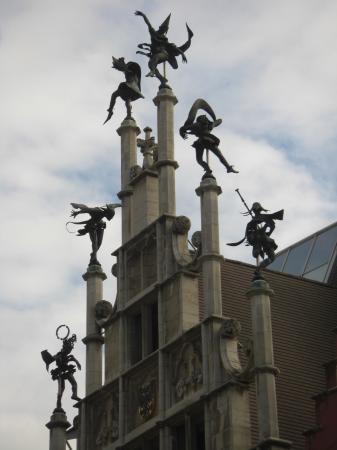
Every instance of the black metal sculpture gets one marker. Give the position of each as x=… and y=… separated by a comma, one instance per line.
x=258, y=232
x=161, y=50
x=201, y=127
x=129, y=90
x=64, y=370
x=95, y=225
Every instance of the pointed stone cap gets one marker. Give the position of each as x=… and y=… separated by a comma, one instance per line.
x=259, y=287
x=58, y=420
x=208, y=184
x=94, y=271
x=128, y=124
x=165, y=93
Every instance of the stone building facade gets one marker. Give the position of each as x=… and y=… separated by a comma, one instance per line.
x=196, y=355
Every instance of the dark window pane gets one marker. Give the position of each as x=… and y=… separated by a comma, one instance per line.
x=323, y=249
x=278, y=263
x=317, y=274
x=297, y=258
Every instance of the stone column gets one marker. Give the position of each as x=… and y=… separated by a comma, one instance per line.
x=93, y=340
x=259, y=295
x=208, y=192
x=166, y=164
x=128, y=132
x=58, y=425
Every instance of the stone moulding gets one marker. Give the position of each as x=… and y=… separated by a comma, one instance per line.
x=229, y=346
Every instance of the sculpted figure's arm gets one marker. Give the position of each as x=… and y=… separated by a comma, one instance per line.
x=72, y=358
x=146, y=20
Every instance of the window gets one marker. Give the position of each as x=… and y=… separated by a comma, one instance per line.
x=143, y=331
x=322, y=250
x=317, y=274
x=297, y=258
x=135, y=338
x=277, y=264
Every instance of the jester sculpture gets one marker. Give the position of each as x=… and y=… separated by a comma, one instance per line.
x=258, y=232
x=94, y=226
x=161, y=50
x=64, y=370
x=201, y=128
x=128, y=90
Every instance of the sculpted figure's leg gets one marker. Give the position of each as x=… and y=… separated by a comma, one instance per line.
x=199, y=154
x=73, y=383
x=153, y=63
x=114, y=96
x=222, y=159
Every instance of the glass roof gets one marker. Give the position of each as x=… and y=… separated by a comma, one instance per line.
x=311, y=258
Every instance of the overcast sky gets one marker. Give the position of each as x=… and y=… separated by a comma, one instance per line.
x=269, y=70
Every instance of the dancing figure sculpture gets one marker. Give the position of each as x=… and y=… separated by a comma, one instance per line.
x=201, y=127
x=94, y=226
x=258, y=232
x=129, y=90
x=64, y=370
x=161, y=50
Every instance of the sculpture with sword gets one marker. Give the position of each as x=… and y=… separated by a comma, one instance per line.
x=258, y=232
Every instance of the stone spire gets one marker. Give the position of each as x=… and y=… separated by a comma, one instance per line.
x=93, y=340
x=58, y=425
x=165, y=101
x=208, y=192
x=128, y=132
x=269, y=435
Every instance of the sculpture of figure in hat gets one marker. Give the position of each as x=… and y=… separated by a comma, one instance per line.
x=201, y=127
x=130, y=89
x=161, y=50
x=94, y=226
x=258, y=232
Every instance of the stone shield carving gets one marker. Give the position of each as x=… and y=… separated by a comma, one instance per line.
x=147, y=399
x=229, y=351
x=188, y=370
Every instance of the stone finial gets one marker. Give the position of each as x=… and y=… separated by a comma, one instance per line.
x=148, y=147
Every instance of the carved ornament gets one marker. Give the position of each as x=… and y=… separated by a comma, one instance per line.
x=188, y=370
x=147, y=399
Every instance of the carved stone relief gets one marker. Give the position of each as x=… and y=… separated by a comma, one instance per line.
x=188, y=370
x=147, y=399
x=142, y=403
x=105, y=416
x=229, y=351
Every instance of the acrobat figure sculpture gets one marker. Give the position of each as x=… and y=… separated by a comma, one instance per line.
x=258, y=232
x=161, y=50
x=64, y=370
x=94, y=226
x=129, y=90
x=201, y=127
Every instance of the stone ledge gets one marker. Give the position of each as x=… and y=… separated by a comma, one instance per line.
x=272, y=444
x=93, y=338
x=124, y=193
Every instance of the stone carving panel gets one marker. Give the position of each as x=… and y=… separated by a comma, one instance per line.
x=230, y=349
x=187, y=376
x=142, y=399
x=102, y=418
